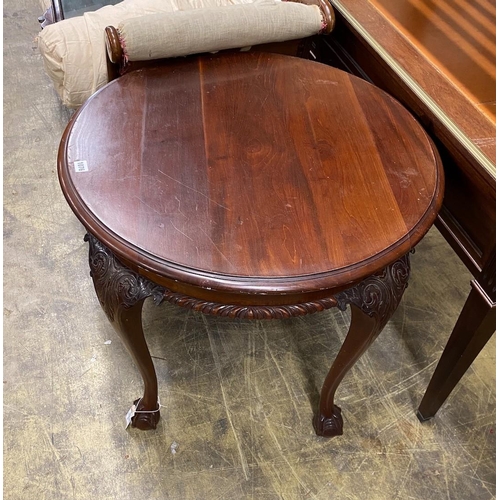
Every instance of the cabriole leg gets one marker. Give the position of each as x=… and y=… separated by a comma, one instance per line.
x=373, y=301
x=121, y=293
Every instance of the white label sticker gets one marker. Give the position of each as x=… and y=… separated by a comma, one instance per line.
x=81, y=166
x=130, y=414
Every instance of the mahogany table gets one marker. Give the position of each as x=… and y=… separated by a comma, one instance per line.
x=249, y=186
x=444, y=73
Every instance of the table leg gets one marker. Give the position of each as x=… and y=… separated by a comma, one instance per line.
x=474, y=328
x=373, y=301
x=121, y=293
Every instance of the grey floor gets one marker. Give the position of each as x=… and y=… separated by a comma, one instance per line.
x=236, y=421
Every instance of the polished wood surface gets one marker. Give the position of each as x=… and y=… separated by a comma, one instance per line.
x=221, y=184
x=457, y=36
x=192, y=177
x=368, y=44
x=428, y=73
x=421, y=53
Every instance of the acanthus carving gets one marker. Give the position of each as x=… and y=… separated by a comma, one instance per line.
x=379, y=295
x=115, y=284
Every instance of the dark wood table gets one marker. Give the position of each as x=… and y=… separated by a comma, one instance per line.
x=249, y=186
x=439, y=61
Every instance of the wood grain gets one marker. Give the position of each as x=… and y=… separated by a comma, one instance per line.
x=371, y=43
x=458, y=36
x=429, y=74
x=421, y=53
x=229, y=172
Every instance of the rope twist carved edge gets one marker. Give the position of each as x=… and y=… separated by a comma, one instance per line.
x=117, y=286
x=249, y=312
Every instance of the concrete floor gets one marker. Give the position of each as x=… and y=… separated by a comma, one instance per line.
x=237, y=395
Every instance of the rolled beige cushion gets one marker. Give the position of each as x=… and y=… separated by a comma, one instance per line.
x=73, y=50
x=182, y=33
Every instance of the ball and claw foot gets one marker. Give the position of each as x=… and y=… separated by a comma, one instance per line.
x=145, y=421
x=329, y=426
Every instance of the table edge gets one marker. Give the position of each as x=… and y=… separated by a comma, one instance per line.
x=174, y=275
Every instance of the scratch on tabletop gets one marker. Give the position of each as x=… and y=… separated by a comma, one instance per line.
x=195, y=190
x=216, y=247
x=149, y=206
x=179, y=231
x=179, y=207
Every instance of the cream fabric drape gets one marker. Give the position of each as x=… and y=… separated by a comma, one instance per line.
x=73, y=50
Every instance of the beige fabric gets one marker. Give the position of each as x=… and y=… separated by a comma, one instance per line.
x=182, y=33
x=45, y=4
x=73, y=50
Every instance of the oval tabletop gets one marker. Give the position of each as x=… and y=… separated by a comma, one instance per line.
x=250, y=172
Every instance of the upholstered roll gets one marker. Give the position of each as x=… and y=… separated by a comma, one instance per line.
x=74, y=52
x=190, y=32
